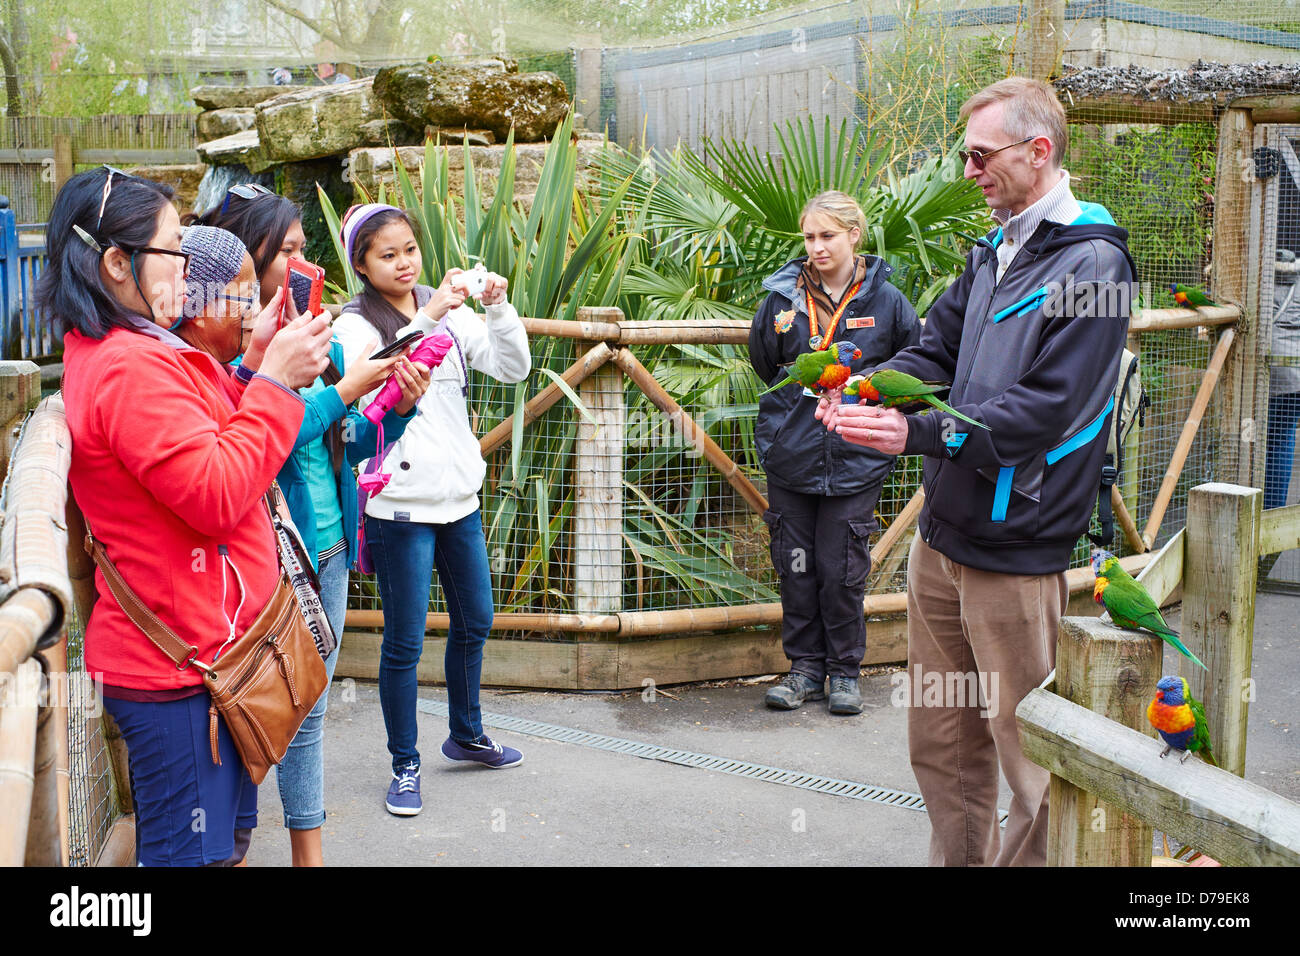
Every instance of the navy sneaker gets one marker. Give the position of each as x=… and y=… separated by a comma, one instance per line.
x=404, y=792
x=485, y=752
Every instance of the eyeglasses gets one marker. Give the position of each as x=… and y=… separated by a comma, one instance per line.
x=108, y=188
x=250, y=302
x=980, y=160
x=245, y=191
x=136, y=250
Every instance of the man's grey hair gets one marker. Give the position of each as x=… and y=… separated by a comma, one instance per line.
x=1029, y=108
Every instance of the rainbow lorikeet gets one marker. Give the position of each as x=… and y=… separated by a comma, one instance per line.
x=1179, y=718
x=890, y=388
x=1128, y=602
x=1189, y=296
x=821, y=370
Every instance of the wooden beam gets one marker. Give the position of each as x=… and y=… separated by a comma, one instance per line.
x=1229, y=270
x=17, y=759
x=1126, y=522
x=63, y=164
x=1279, y=529
x=588, y=330
x=1164, y=573
x=1218, y=622
x=505, y=621
x=1112, y=672
x=1161, y=320
x=1046, y=37
x=1126, y=108
x=1274, y=108
x=119, y=844
x=598, y=493
x=721, y=332
x=1236, y=822
x=1185, y=439
x=536, y=407
x=697, y=436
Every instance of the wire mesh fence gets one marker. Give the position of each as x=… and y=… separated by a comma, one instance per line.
x=91, y=802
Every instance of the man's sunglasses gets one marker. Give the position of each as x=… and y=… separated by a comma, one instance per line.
x=980, y=160
x=244, y=191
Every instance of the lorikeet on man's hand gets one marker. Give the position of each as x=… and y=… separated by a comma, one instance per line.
x=1190, y=297
x=890, y=388
x=1179, y=718
x=1128, y=602
x=820, y=371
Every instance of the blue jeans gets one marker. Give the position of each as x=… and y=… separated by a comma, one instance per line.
x=404, y=554
x=301, y=775
x=1283, y=415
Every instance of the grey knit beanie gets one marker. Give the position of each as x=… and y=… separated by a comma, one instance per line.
x=215, y=259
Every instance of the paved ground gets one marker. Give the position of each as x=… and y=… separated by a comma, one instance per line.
x=571, y=804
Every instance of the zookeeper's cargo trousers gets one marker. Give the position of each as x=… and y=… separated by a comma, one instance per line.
x=977, y=643
x=821, y=550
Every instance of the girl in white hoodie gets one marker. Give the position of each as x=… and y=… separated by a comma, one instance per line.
x=427, y=516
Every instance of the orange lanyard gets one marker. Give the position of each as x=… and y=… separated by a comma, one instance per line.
x=824, y=340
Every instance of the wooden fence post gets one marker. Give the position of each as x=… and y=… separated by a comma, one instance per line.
x=1112, y=672
x=1046, y=36
x=63, y=167
x=20, y=391
x=1218, y=623
x=598, y=498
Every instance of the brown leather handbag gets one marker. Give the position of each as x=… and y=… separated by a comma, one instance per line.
x=263, y=685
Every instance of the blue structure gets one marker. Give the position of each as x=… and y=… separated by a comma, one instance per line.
x=23, y=334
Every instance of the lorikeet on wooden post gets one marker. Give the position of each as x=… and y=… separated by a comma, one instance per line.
x=1179, y=718
x=1128, y=602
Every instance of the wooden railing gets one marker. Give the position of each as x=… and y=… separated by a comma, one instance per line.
x=1087, y=724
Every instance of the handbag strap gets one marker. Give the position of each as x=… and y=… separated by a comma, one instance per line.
x=162, y=636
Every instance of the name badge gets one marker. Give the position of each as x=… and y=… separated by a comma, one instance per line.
x=862, y=322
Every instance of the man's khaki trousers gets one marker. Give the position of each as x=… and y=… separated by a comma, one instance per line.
x=977, y=643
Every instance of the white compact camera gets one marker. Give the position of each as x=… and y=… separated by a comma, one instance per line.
x=473, y=283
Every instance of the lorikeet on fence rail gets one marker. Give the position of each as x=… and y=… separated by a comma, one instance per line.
x=822, y=370
x=1179, y=718
x=1189, y=297
x=1128, y=602
x=891, y=388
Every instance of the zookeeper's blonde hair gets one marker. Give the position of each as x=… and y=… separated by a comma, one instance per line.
x=840, y=208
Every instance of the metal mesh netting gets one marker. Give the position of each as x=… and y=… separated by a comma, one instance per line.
x=91, y=801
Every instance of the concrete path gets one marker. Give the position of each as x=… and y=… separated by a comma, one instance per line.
x=574, y=805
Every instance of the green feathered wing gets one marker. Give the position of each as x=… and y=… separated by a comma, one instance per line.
x=899, y=388
x=1200, y=742
x=1130, y=606
x=806, y=369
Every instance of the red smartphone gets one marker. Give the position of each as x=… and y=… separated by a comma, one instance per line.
x=305, y=282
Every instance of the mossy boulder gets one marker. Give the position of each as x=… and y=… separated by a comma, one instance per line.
x=316, y=122
x=184, y=179
x=478, y=97
x=215, y=124
x=297, y=182
x=230, y=97
x=243, y=148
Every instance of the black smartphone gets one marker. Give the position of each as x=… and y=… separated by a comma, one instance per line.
x=410, y=338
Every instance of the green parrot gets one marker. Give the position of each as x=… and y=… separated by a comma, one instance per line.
x=1179, y=718
x=1128, y=602
x=1190, y=296
x=890, y=388
x=820, y=371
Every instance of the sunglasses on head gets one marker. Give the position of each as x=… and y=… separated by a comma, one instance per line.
x=245, y=191
x=108, y=188
x=980, y=160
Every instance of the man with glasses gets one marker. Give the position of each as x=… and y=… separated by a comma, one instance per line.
x=1030, y=337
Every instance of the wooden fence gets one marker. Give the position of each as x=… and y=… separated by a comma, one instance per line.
x=1087, y=723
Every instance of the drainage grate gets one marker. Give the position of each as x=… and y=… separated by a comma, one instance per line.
x=687, y=758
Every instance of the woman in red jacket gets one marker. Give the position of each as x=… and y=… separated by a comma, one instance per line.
x=171, y=457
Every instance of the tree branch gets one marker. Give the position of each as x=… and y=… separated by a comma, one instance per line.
x=312, y=22
x=12, y=92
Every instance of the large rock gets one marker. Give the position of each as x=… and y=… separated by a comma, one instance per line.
x=184, y=179
x=321, y=121
x=228, y=97
x=297, y=182
x=369, y=167
x=477, y=97
x=215, y=124
x=243, y=148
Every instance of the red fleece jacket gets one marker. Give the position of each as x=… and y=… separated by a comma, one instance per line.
x=170, y=459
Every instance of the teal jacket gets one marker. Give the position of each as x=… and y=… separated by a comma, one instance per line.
x=323, y=410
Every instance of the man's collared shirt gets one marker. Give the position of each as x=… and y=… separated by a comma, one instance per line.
x=1058, y=205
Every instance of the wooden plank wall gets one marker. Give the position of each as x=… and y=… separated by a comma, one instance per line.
x=735, y=94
